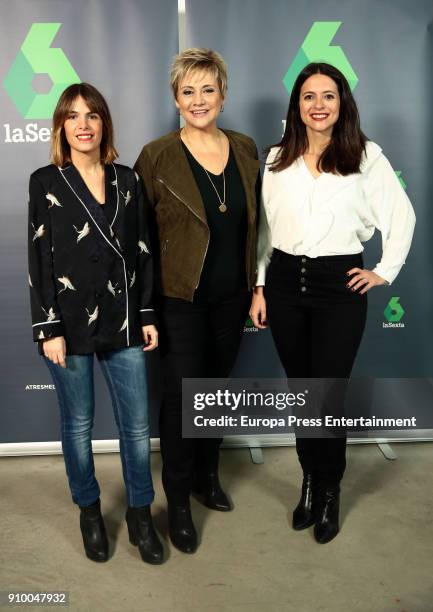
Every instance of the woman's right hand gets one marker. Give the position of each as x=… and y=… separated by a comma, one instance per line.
x=55, y=350
x=258, y=309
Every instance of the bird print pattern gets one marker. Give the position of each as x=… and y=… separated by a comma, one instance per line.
x=92, y=315
x=84, y=232
x=53, y=200
x=111, y=288
x=51, y=315
x=66, y=284
x=126, y=197
x=90, y=278
x=143, y=248
x=39, y=233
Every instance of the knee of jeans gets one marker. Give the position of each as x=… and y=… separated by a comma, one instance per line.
x=136, y=432
x=78, y=424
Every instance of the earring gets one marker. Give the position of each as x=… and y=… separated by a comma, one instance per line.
x=222, y=108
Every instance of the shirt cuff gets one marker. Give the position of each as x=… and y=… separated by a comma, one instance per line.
x=147, y=316
x=261, y=275
x=46, y=330
x=388, y=275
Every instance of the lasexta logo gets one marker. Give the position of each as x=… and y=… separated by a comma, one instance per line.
x=249, y=326
x=317, y=48
x=36, y=56
x=394, y=311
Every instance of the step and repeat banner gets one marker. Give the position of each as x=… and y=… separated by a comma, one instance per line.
x=124, y=49
x=385, y=50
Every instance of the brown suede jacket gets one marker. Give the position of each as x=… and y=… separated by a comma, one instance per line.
x=181, y=225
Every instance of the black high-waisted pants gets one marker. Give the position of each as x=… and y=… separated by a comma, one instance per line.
x=197, y=340
x=317, y=325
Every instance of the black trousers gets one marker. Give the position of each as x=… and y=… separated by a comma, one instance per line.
x=317, y=325
x=198, y=340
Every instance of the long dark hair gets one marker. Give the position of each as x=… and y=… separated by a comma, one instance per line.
x=344, y=152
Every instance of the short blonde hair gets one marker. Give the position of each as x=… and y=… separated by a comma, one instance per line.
x=198, y=58
x=60, y=149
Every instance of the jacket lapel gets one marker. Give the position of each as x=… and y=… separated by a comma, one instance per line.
x=92, y=207
x=111, y=193
x=248, y=169
x=177, y=176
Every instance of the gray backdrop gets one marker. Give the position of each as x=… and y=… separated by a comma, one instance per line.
x=389, y=44
x=125, y=50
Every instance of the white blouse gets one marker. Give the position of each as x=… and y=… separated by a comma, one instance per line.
x=333, y=214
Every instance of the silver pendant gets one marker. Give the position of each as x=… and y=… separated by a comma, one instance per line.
x=222, y=208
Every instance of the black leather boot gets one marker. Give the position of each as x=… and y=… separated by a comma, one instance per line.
x=304, y=513
x=214, y=497
x=93, y=531
x=142, y=534
x=181, y=528
x=328, y=506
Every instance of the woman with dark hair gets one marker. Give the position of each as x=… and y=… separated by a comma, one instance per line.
x=325, y=190
x=91, y=287
x=201, y=183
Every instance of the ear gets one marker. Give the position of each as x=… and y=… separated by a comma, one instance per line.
x=177, y=103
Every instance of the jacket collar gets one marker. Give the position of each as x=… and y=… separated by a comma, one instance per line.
x=176, y=174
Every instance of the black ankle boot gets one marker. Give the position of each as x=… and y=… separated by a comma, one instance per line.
x=328, y=506
x=304, y=513
x=142, y=534
x=93, y=531
x=181, y=528
x=214, y=497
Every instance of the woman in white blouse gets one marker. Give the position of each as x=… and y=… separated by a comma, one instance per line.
x=325, y=190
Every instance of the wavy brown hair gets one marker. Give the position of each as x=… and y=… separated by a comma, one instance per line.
x=60, y=149
x=343, y=154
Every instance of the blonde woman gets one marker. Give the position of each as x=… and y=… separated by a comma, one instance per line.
x=201, y=183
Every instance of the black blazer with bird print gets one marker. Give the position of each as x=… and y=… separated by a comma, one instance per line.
x=90, y=276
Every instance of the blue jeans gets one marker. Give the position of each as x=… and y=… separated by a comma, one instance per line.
x=125, y=373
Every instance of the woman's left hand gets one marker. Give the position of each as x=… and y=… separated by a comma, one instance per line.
x=365, y=279
x=150, y=336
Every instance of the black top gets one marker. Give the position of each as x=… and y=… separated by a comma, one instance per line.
x=109, y=208
x=91, y=273
x=224, y=272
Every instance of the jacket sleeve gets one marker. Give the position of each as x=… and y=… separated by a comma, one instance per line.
x=143, y=167
x=46, y=317
x=145, y=261
x=393, y=215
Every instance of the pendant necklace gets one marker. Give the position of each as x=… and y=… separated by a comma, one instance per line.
x=222, y=202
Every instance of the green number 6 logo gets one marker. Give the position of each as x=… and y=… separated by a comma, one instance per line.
x=36, y=56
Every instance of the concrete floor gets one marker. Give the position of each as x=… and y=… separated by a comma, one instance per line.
x=249, y=559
